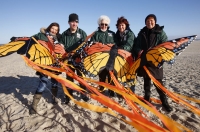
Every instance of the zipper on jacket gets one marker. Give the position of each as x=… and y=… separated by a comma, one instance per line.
x=145, y=39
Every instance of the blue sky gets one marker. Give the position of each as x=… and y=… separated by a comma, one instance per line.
x=25, y=17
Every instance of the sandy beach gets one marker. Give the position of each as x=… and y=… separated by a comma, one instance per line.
x=18, y=83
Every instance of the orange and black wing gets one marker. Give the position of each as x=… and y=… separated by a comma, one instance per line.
x=167, y=51
x=30, y=47
x=13, y=46
x=164, y=52
x=100, y=56
x=122, y=64
x=96, y=58
x=40, y=54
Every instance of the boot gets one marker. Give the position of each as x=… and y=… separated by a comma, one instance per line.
x=66, y=98
x=132, y=88
x=36, y=99
x=101, y=88
x=165, y=103
x=111, y=93
x=119, y=96
x=147, y=89
x=163, y=98
x=147, y=96
x=54, y=91
x=84, y=97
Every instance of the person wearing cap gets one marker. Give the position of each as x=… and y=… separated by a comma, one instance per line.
x=148, y=37
x=71, y=39
x=105, y=36
x=125, y=38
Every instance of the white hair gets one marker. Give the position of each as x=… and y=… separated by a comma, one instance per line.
x=105, y=18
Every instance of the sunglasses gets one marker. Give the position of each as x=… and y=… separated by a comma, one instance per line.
x=102, y=24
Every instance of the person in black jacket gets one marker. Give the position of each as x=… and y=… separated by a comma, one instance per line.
x=150, y=36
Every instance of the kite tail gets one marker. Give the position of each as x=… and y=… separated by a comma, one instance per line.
x=170, y=124
x=171, y=95
x=137, y=121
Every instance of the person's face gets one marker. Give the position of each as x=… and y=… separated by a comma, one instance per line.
x=150, y=23
x=122, y=27
x=103, y=25
x=54, y=30
x=73, y=25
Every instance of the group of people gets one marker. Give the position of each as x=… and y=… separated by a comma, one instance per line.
x=150, y=35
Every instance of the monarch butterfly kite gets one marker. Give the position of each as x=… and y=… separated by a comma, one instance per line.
x=36, y=50
x=165, y=52
x=97, y=56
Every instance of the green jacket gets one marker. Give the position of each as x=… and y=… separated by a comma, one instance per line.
x=126, y=40
x=149, y=38
x=42, y=35
x=72, y=40
x=106, y=37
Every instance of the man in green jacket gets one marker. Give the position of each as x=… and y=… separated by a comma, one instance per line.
x=150, y=36
x=71, y=39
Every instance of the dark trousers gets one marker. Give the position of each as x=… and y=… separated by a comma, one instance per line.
x=102, y=78
x=71, y=79
x=147, y=89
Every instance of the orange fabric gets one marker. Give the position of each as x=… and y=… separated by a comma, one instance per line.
x=137, y=120
x=172, y=45
x=171, y=95
x=59, y=49
x=167, y=121
x=98, y=47
x=43, y=43
x=21, y=39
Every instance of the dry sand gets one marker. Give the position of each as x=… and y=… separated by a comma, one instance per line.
x=18, y=83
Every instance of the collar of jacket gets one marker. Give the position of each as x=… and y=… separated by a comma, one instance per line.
x=68, y=32
x=126, y=31
x=43, y=30
x=99, y=29
x=157, y=29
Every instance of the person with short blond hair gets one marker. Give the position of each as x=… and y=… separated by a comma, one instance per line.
x=105, y=36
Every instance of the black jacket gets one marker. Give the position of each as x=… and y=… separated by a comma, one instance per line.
x=148, y=39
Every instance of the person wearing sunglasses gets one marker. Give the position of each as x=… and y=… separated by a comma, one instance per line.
x=71, y=39
x=125, y=38
x=105, y=36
